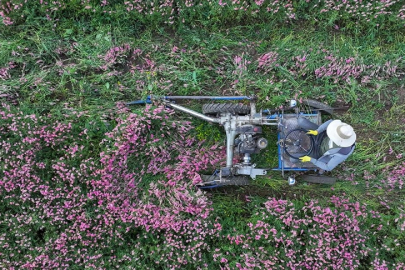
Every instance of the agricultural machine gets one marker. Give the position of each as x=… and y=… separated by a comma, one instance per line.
x=244, y=136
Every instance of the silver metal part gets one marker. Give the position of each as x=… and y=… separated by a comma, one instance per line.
x=234, y=125
x=249, y=170
x=230, y=129
x=252, y=109
x=246, y=159
x=193, y=113
x=291, y=180
x=262, y=143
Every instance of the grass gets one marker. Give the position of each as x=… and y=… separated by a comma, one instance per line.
x=67, y=64
x=82, y=84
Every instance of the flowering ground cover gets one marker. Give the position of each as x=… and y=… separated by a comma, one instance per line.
x=87, y=182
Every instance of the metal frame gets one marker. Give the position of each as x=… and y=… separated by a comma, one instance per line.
x=230, y=123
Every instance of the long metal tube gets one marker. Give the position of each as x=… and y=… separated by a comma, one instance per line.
x=210, y=97
x=230, y=129
x=193, y=113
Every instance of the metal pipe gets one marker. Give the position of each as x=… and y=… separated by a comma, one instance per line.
x=252, y=108
x=230, y=128
x=193, y=113
x=149, y=99
x=210, y=97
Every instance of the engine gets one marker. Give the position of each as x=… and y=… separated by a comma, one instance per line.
x=249, y=141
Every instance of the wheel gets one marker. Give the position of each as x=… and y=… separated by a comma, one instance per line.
x=291, y=180
x=237, y=180
x=298, y=143
x=216, y=108
x=318, y=179
x=308, y=104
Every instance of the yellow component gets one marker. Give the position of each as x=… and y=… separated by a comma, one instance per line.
x=312, y=132
x=305, y=159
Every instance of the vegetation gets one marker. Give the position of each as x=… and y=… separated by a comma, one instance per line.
x=87, y=182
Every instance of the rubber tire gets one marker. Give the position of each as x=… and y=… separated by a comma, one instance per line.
x=216, y=108
x=318, y=105
x=238, y=180
x=318, y=179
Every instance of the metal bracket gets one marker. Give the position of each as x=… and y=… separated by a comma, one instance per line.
x=249, y=170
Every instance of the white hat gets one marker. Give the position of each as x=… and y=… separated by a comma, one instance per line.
x=341, y=133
